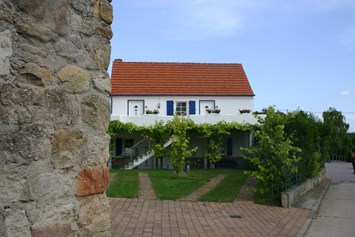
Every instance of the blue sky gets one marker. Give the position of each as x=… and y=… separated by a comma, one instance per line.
x=296, y=53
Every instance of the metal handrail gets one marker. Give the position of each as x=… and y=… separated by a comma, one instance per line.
x=129, y=151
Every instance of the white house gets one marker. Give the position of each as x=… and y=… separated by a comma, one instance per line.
x=146, y=92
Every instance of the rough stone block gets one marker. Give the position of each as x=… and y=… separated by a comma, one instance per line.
x=5, y=51
x=92, y=181
x=38, y=73
x=5, y=15
x=97, y=54
x=46, y=186
x=103, y=84
x=74, y=79
x=105, y=31
x=16, y=223
x=95, y=111
x=53, y=231
x=26, y=26
x=67, y=146
x=92, y=216
x=106, y=11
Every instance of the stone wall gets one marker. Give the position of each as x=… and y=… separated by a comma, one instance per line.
x=294, y=194
x=54, y=113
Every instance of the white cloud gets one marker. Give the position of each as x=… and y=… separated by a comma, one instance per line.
x=345, y=92
x=201, y=19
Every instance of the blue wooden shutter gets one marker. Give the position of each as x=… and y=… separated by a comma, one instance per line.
x=192, y=107
x=169, y=107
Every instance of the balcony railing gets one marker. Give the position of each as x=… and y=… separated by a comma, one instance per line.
x=151, y=119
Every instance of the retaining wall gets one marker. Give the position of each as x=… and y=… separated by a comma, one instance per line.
x=291, y=196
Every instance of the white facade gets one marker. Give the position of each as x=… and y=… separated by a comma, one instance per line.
x=133, y=108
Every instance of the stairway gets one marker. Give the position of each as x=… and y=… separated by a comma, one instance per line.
x=145, y=157
x=135, y=154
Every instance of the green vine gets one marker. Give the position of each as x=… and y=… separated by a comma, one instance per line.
x=178, y=129
x=214, y=135
x=159, y=134
x=180, y=149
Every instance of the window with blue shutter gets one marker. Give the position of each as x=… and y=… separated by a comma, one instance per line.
x=192, y=107
x=169, y=108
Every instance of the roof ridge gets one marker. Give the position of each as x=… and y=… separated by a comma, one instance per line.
x=220, y=63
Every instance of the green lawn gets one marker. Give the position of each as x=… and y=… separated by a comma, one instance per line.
x=228, y=189
x=124, y=185
x=168, y=185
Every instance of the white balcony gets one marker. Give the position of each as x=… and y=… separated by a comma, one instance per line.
x=151, y=119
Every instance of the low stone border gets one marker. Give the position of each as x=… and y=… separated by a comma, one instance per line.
x=290, y=197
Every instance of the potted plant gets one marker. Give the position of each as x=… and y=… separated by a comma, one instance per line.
x=244, y=111
x=155, y=111
x=216, y=110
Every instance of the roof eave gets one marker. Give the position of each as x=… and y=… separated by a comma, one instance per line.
x=248, y=95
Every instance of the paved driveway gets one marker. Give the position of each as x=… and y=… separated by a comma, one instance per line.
x=147, y=216
x=336, y=215
x=137, y=217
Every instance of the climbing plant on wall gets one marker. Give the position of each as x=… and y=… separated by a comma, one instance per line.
x=159, y=134
x=178, y=129
x=179, y=149
x=215, y=141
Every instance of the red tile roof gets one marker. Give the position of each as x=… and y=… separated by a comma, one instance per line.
x=150, y=78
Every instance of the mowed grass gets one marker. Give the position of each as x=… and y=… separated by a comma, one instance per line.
x=124, y=185
x=228, y=189
x=169, y=186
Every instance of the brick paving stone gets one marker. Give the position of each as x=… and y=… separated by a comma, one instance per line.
x=246, y=192
x=112, y=176
x=136, y=217
x=204, y=189
x=147, y=216
x=146, y=190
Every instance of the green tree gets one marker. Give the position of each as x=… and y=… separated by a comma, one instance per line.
x=180, y=149
x=159, y=134
x=215, y=141
x=334, y=131
x=274, y=155
x=304, y=130
x=352, y=139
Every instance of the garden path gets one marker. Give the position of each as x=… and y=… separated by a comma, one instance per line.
x=112, y=176
x=204, y=189
x=146, y=190
x=246, y=192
